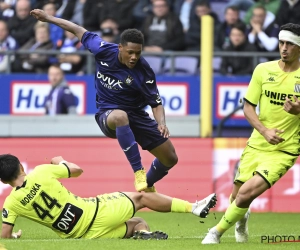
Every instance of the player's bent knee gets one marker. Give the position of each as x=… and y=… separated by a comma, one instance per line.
x=118, y=117
x=172, y=161
x=141, y=224
x=136, y=224
x=139, y=220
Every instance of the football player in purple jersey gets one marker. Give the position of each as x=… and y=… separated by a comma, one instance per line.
x=125, y=84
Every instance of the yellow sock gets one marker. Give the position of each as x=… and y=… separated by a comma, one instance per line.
x=231, y=216
x=181, y=206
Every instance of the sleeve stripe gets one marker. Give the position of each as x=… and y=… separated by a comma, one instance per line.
x=69, y=173
x=8, y=223
x=250, y=102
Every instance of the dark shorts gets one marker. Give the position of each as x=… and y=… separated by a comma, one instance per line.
x=143, y=127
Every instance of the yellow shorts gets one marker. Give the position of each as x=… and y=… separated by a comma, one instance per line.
x=269, y=165
x=113, y=211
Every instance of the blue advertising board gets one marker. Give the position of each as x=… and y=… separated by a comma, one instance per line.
x=24, y=94
x=228, y=93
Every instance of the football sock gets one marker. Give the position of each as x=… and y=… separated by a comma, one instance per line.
x=156, y=172
x=181, y=206
x=231, y=216
x=128, y=144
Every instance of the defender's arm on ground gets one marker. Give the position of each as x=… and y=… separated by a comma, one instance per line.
x=159, y=116
x=75, y=170
x=64, y=24
x=7, y=232
x=270, y=134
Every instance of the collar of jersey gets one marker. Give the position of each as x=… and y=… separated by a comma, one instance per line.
x=23, y=185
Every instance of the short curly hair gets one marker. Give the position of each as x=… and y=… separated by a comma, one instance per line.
x=132, y=36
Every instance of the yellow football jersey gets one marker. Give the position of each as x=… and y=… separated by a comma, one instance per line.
x=42, y=198
x=269, y=87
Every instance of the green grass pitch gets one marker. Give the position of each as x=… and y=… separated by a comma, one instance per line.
x=185, y=233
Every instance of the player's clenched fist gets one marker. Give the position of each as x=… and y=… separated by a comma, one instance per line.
x=292, y=107
x=39, y=15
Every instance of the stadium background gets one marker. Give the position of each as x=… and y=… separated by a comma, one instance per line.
x=205, y=164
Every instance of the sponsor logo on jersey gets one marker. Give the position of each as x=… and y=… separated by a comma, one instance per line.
x=279, y=98
x=4, y=213
x=108, y=82
x=298, y=77
x=150, y=81
x=129, y=80
x=68, y=218
x=102, y=43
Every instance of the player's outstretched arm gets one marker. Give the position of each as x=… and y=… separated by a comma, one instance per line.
x=75, y=170
x=64, y=24
x=7, y=232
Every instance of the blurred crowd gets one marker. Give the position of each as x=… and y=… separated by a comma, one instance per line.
x=168, y=25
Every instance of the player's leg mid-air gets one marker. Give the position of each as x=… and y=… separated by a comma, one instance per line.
x=119, y=124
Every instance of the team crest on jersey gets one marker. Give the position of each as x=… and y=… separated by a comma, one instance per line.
x=129, y=80
x=4, y=213
x=297, y=88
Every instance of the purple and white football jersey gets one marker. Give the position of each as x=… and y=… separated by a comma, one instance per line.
x=117, y=86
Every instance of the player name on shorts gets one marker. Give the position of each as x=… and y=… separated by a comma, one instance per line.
x=31, y=194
